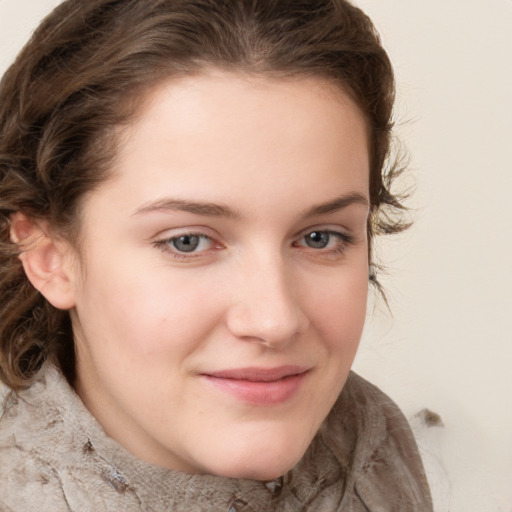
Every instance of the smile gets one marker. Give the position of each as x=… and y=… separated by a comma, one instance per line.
x=259, y=386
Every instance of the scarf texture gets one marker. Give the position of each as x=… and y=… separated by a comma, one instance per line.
x=55, y=457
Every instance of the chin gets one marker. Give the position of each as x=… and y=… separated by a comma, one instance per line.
x=266, y=465
x=253, y=472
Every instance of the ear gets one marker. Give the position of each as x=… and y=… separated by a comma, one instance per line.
x=46, y=259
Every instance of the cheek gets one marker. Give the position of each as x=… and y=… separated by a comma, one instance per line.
x=340, y=309
x=148, y=313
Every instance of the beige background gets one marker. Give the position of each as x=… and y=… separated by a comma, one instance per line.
x=448, y=345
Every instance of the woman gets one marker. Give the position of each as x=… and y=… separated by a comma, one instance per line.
x=189, y=195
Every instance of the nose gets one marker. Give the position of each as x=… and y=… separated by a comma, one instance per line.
x=266, y=306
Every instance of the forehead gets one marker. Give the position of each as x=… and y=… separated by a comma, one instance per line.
x=228, y=136
x=241, y=103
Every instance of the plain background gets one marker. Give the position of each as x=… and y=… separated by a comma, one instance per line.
x=448, y=344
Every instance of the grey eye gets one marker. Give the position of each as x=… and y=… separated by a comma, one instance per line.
x=317, y=239
x=186, y=243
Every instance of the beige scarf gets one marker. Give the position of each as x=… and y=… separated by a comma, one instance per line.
x=55, y=457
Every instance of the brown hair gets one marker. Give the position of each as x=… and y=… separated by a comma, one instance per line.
x=80, y=76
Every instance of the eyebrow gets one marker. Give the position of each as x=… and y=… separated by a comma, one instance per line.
x=208, y=209
x=198, y=208
x=337, y=204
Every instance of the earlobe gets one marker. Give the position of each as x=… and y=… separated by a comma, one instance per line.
x=45, y=259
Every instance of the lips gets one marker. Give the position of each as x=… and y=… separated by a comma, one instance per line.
x=259, y=386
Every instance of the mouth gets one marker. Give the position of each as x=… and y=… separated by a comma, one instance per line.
x=259, y=386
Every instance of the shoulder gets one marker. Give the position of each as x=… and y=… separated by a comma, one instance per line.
x=385, y=468
x=43, y=463
x=27, y=481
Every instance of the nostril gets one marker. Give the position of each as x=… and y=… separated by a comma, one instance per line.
x=266, y=307
x=267, y=323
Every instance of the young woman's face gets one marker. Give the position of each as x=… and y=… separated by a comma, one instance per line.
x=221, y=289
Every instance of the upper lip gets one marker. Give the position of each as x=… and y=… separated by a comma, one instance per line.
x=256, y=374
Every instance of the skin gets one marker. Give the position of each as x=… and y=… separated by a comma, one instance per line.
x=151, y=321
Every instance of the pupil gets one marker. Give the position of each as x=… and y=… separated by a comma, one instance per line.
x=318, y=239
x=186, y=243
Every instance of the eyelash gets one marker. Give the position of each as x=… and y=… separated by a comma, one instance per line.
x=165, y=246
x=344, y=241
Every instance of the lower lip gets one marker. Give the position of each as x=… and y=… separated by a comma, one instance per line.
x=259, y=392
